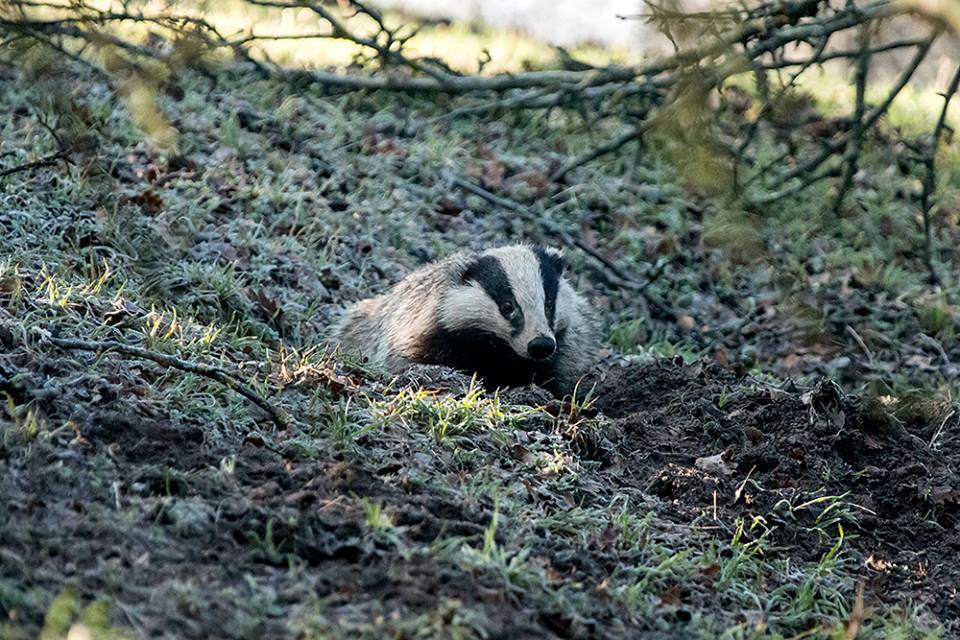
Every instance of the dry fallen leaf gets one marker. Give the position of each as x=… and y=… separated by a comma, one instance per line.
x=877, y=564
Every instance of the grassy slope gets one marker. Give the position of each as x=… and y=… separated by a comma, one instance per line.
x=279, y=209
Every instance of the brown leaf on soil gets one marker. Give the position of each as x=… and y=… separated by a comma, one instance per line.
x=877, y=564
x=150, y=173
x=754, y=435
x=671, y=596
x=9, y=285
x=254, y=440
x=790, y=362
x=944, y=495
x=267, y=305
x=587, y=235
x=267, y=490
x=149, y=201
x=492, y=174
x=448, y=207
x=377, y=144
x=300, y=499
x=389, y=147
x=536, y=180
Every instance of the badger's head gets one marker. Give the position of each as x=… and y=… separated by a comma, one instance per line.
x=510, y=294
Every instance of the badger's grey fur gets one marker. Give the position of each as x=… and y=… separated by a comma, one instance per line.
x=507, y=314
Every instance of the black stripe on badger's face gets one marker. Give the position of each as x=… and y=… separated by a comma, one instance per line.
x=489, y=274
x=551, y=268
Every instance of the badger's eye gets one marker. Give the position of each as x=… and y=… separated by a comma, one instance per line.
x=507, y=309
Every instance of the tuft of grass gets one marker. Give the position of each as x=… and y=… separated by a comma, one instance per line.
x=448, y=417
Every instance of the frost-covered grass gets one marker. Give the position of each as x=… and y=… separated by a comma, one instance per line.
x=391, y=510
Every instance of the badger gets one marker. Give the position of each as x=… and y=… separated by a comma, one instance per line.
x=507, y=314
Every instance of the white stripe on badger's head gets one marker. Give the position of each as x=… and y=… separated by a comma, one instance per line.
x=510, y=292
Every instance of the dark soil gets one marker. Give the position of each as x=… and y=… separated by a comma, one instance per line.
x=795, y=446
x=183, y=532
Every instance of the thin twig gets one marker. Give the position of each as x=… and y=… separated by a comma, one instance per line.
x=857, y=133
x=385, y=49
x=863, y=345
x=228, y=379
x=46, y=161
x=846, y=54
x=765, y=109
x=798, y=188
x=635, y=133
x=930, y=178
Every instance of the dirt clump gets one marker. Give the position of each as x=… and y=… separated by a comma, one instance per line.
x=800, y=459
x=200, y=531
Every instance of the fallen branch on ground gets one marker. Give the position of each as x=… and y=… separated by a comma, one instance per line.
x=279, y=417
x=46, y=161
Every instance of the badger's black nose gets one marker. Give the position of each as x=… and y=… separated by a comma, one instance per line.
x=541, y=347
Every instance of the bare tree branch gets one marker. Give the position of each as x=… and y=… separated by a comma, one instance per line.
x=46, y=161
x=930, y=178
x=831, y=148
x=635, y=133
x=228, y=379
x=857, y=133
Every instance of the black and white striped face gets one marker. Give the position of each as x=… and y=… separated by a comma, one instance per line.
x=510, y=293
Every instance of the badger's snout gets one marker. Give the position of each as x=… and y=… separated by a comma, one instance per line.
x=541, y=347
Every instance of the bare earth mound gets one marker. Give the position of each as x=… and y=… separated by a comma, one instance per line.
x=240, y=535
x=784, y=451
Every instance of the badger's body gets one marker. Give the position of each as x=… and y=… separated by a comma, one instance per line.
x=506, y=314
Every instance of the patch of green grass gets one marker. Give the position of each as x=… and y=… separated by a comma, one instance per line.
x=938, y=318
x=448, y=417
x=629, y=335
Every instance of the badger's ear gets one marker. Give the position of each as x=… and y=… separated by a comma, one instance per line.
x=469, y=270
x=555, y=256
